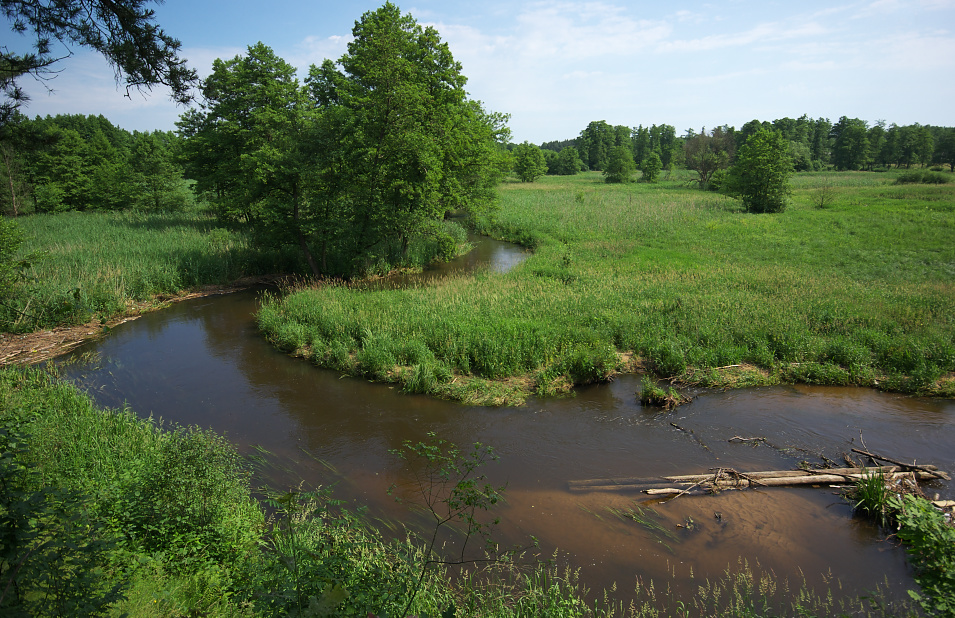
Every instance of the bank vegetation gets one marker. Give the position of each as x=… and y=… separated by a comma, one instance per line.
x=106, y=513
x=666, y=279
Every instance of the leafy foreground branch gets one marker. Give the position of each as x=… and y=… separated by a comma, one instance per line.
x=102, y=513
x=927, y=532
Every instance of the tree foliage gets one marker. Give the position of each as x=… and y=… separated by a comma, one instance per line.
x=373, y=151
x=850, y=149
x=568, y=162
x=705, y=153
x=75, y=162
x=760, y=177
x=651, y=167
x=596, y=143
x=529, y=162
x=123, y=31
x=620, y=165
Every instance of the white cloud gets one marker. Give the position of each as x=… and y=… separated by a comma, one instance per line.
x=762, y=33
x=556, y=66
x=314, y=50
x=201, y=58
x=584, y=30
x=690, y=16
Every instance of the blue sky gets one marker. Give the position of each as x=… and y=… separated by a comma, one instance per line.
x=555, y=66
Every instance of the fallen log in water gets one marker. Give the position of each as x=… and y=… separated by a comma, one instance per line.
x=731, y=479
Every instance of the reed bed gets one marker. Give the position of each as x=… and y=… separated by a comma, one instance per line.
x=856, y=293
x=98, y=264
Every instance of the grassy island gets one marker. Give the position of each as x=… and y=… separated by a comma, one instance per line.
x=851, y=285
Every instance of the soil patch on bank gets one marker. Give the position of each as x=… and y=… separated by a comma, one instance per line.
x=39, y=346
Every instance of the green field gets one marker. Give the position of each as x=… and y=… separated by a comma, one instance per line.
x=665, y=278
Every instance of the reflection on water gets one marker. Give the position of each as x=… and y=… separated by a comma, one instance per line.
x=202, y=362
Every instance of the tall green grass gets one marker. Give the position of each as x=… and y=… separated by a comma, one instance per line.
x=100, y=263
x=856, y=293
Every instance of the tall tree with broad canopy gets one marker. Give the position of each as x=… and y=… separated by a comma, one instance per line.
x=404, y=145
x=374, y=149
x=245, y=145
x=760, y=176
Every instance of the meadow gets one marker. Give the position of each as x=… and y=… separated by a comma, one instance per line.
x=851, y=285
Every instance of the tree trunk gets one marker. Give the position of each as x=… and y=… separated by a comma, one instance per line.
x=303, y=243
x=13, y=192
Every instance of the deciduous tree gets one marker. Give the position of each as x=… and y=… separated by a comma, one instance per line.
x=706, y=153
x=245, y=147
x=405, y=144
x=760, y=176
x=529, y=164
x=651, y=167
x=620, y=165
x=850, y=143
x=373, y=151
x=568, y=162
x=946, y=148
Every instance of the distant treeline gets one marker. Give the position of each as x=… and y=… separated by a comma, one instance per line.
x=76, y=162
x=847, y=144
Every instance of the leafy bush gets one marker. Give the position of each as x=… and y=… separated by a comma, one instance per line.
x=55, y=557
x=923, y=177
x=193, y=499
x=928, y=536
x=930, y=541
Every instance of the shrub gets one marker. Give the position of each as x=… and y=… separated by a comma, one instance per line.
x=190, y=499
x=930, y=544
x=760, y=177
x=923, y=177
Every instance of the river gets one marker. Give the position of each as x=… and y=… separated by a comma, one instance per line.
x=203, y=362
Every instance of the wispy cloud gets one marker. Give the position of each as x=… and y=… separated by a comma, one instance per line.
x=762, y=33
x=314, y=50
x=555, y=66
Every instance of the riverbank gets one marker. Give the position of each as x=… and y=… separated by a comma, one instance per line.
x=39, y=346
x=96, y=267
x=159, y=521
x=679, y=282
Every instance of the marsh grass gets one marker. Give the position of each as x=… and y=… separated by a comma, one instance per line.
x=99, y=264
x=870, y=496
x=858, y=293
x=653, y=396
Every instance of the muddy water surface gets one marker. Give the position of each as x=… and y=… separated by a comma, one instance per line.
x=202, y=362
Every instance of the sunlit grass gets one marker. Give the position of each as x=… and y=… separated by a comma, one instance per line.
x=857, y=293
x=98, y=264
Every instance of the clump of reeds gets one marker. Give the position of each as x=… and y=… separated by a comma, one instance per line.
x=653, y=396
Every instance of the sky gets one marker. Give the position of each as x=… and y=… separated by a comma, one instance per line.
x=556, y=66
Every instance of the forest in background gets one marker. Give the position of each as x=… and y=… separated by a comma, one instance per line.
x=85, y=163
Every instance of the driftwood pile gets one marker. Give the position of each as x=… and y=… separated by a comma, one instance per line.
x=727, y=478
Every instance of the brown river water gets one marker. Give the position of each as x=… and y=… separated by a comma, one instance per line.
x=203, y=362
